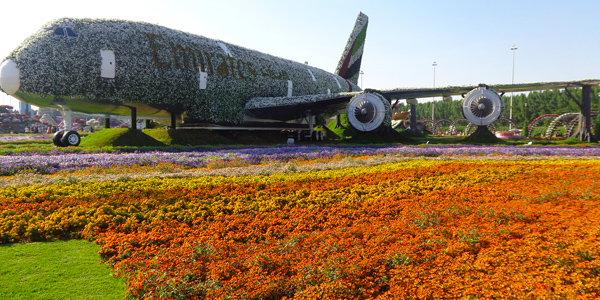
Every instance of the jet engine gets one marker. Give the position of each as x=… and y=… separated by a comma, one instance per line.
x=482, y=106
x=369, y=111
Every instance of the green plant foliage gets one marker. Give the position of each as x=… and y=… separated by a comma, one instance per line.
x=199, y=137
x=345, y=131
x=571, y=141
x=538, y=103
x=9, y=146
x=119, y=137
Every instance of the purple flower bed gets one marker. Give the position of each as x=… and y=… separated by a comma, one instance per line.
x=24, y=137
x=51, y=162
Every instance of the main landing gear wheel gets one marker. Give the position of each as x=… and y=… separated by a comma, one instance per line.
x=317, y=136
x=482, y=106
x=305, y=135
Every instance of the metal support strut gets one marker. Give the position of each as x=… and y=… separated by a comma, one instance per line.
x=67, y=119
x=173, y=121
x=133, y=117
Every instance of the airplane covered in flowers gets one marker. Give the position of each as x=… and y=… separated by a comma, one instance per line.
x=116, y=67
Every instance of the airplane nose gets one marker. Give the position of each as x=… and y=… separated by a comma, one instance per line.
x=9, y=77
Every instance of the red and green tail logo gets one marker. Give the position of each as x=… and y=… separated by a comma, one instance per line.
x=349, y=65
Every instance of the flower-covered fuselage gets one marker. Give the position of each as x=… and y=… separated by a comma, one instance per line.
x=157, y=70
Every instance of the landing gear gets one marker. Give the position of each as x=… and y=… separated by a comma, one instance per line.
x=306, y=135
x=311, y=134
x=66, y=138
x=317, y=136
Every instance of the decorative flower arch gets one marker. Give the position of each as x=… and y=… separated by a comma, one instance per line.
x=564, y=119
x=429, y=123
x=574, y=123
x=438, y=124
x=537, y=121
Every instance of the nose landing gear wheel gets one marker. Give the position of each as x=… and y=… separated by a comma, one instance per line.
x=71, y=138
x=66, y=138
x=56, y=138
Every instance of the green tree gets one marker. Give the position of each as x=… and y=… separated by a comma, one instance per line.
x=538, y=103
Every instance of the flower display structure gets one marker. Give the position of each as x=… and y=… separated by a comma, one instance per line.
x=157, y=68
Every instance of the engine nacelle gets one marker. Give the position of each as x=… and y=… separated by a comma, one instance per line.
x=482, y=106
x=369, y=111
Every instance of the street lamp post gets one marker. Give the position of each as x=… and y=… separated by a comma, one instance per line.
x=513, y=48
x=432, y=100
x=526, y=123
x=362, y=74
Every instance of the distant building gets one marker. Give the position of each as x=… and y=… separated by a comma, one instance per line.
x=25, y=109
x=48, y=111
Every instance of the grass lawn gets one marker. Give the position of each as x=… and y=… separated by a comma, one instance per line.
x=56, y=270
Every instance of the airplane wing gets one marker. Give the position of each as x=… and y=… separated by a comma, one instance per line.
x=296, y=107
x=406, y=93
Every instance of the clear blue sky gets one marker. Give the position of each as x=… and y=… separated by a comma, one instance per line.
x=469, y=40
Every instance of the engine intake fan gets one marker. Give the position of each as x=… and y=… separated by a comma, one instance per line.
x=369, y=111
x=482, y=106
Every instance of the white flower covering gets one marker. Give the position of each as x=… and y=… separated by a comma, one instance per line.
x=159, y=67
x=262, y=102
x=386, y=112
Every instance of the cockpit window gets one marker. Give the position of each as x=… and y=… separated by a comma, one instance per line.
x=59, y=31
x=65, y=31
x=70, y=32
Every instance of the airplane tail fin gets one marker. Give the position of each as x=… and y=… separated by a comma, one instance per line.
x=349, y=65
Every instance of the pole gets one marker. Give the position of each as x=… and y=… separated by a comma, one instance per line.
x=513, y=48
x=526, y=123
x=362, y=74
x=433, y=99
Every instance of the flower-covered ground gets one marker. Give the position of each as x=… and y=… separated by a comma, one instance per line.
x=432, y=222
